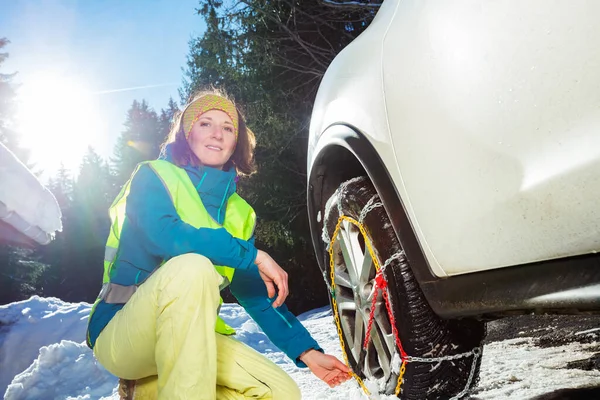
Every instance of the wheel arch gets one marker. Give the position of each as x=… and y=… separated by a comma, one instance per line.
x=347, y=146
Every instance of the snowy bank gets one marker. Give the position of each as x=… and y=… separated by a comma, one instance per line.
x=27, y=326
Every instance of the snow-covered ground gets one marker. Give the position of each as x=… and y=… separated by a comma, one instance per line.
x=43, y=356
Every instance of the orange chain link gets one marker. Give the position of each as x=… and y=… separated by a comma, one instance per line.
x=371, y=318
x=372, y=313
x=403, y=355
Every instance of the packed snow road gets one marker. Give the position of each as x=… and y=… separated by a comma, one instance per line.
x=43, y=356
x=541, y=357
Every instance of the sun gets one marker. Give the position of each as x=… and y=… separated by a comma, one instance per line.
x=57, y=119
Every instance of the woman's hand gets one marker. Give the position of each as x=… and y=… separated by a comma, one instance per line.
x=273, y=275
x=326, y=367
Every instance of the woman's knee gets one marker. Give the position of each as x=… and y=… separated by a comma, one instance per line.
x=191, y=268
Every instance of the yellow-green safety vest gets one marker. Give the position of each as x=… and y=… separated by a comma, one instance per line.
x=239, y=222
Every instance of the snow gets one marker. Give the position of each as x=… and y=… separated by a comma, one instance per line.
x=63, y=370
x=530, y=371
x=43, y=356
x=587, y=332
x=24, y=202
x=27, y=326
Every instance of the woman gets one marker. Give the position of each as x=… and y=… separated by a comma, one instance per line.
x=179, y=234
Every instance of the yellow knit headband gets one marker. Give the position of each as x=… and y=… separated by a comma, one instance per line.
x=206, y=103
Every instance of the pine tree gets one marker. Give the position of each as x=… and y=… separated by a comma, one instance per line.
x=19, y=269
x=57, y=254
x=20, y=273
x=79, y=274
x=270, y=56
x=62, y=188
x=8, y=135
x=139, y=141
x=165, y=121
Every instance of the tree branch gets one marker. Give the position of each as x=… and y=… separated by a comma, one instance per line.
x=293, y=35
x=350, y=4
x=299, y=70
x=320, y=20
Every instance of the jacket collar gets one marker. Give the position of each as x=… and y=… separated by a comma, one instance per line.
x=214, y=186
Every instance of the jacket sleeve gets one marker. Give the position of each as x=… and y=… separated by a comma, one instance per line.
x=150, y=210
x=279, y=324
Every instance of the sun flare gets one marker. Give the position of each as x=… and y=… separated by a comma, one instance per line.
x=57, y=119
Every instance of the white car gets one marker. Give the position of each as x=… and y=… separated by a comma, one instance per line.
x=464, y=138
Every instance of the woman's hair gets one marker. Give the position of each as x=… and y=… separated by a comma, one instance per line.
x=242, y=158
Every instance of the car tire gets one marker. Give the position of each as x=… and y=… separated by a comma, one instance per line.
x=421, y=332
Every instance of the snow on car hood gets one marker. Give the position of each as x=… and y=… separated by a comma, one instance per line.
x=25, y=203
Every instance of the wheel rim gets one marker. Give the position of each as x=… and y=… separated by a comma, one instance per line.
x=355, y=288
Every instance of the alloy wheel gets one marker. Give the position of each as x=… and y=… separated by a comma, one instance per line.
x=355, y=288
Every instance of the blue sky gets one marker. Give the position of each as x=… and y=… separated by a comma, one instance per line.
x=104, y=46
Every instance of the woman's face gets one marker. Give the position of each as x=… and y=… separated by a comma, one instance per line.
x=212, y=138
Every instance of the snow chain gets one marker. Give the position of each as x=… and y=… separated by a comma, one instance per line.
x=381, y=284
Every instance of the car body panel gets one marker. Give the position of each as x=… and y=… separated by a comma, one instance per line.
x=351, y=91
x=494, y=114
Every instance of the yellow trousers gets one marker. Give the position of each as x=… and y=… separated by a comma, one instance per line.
x=165, y=338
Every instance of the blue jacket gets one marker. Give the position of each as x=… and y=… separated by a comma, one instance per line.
x=152, y=232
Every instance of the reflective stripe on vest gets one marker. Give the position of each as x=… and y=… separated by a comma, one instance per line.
x=239, y=222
